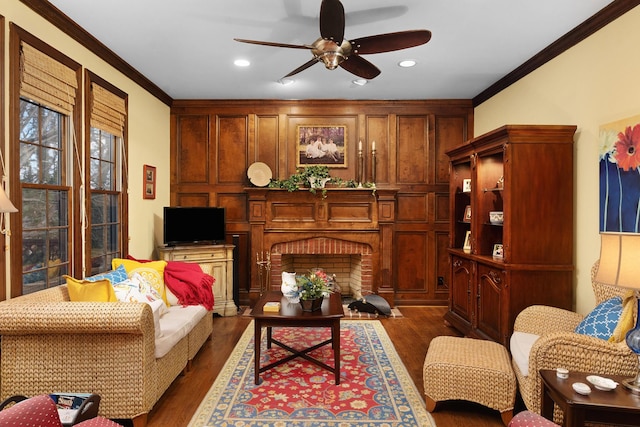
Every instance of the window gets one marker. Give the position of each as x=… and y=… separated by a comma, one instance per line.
x=45, y=87
x=45, y=197
x=106, y=166
x=104, y=200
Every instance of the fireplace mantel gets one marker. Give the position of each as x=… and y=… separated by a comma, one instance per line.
x=360, y=217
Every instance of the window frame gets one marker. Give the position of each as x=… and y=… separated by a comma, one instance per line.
x=3, y=239
x=18, y=35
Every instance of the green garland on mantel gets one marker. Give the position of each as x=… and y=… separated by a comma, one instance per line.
x=301, y=179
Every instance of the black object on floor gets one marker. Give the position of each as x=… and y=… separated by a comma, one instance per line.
x=374, y=304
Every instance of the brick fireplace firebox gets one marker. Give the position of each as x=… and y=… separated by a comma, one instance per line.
x=355, y=223
x=355, y=281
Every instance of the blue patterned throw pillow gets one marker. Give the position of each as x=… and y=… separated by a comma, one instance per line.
x=114, y=276
x=602, y=321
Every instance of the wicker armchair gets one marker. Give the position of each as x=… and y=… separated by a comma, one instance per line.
x=559, y=346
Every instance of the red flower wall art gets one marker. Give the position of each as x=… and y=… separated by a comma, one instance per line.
x=620, y=176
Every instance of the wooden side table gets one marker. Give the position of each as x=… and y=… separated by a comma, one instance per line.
x=612, y=407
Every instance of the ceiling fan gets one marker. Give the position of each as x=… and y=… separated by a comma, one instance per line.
x=333, y=50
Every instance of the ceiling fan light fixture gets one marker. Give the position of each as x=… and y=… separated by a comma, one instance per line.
x=332, y=59
x=241, y=63
x=407, y=63
x=360, y=82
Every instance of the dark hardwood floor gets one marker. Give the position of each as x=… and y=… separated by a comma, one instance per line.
x=410, y=334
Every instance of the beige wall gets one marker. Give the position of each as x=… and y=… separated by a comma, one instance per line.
x=594, y=83
x=148, y=127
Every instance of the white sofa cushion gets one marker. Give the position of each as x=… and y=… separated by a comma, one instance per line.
x=520, y=346
x=175, y=324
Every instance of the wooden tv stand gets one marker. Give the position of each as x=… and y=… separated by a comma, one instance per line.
x=216, y=260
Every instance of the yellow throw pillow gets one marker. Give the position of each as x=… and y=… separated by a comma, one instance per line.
x=84, y=290
x=626, y=321
x=152, y=271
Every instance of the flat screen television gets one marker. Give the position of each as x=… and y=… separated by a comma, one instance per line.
x=194, y=225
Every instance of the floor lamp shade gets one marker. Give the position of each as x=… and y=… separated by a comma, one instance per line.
x=5, y=207
x=620, y=260
x=5, y=203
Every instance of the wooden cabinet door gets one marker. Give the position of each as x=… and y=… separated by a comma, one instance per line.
x=492, y=301
x=219, y=272
x=462, y=296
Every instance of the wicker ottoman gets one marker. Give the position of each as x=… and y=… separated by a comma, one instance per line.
x=469, y=369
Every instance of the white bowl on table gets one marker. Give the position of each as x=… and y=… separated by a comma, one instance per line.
x=601, y=383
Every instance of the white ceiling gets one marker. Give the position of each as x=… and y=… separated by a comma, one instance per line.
x=186, y=47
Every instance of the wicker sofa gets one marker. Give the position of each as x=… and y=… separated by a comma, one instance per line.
x=50, y=344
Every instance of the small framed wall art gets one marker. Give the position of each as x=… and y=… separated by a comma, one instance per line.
x=467, y=214
x=498, y=251
x=466, y=247
x=149, y=182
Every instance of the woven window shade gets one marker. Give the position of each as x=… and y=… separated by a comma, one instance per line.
x=47, y=81
x=108, y=111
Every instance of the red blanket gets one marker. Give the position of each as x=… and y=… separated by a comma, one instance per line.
x=189, y=283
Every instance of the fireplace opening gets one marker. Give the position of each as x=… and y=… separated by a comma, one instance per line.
x=351, y=262
x=347, y=270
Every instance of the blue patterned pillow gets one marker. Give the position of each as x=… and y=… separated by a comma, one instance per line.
x=114, y=276
x=602, y=321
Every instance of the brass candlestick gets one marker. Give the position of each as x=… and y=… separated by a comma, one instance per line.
x=263, y=259
x=373, y=166
x=360, y=165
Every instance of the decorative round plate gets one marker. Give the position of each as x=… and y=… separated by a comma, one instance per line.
x=259, y=174
x=601, y=383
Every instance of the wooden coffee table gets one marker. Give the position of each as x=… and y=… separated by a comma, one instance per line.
x=292, y=316
x=610, y=407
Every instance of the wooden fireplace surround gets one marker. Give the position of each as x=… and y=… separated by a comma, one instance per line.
x=360, y=216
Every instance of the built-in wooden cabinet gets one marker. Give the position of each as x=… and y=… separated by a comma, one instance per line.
x=525, y=172
x=216, y=260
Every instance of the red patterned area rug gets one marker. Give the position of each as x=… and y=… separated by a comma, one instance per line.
x=375, y=389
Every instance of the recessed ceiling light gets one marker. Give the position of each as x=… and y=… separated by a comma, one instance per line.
x=286, y=82
x=407, y=63
x=360, y=82
x=241, y=63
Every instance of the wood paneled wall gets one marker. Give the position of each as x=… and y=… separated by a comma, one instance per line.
x=214, y=142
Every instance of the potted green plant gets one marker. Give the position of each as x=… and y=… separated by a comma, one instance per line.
x=312, y=288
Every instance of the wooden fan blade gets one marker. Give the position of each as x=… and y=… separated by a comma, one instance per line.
x=390, y=41
x=359, y=66
x=302, y=67
x=292, y=46
x=332, y=20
